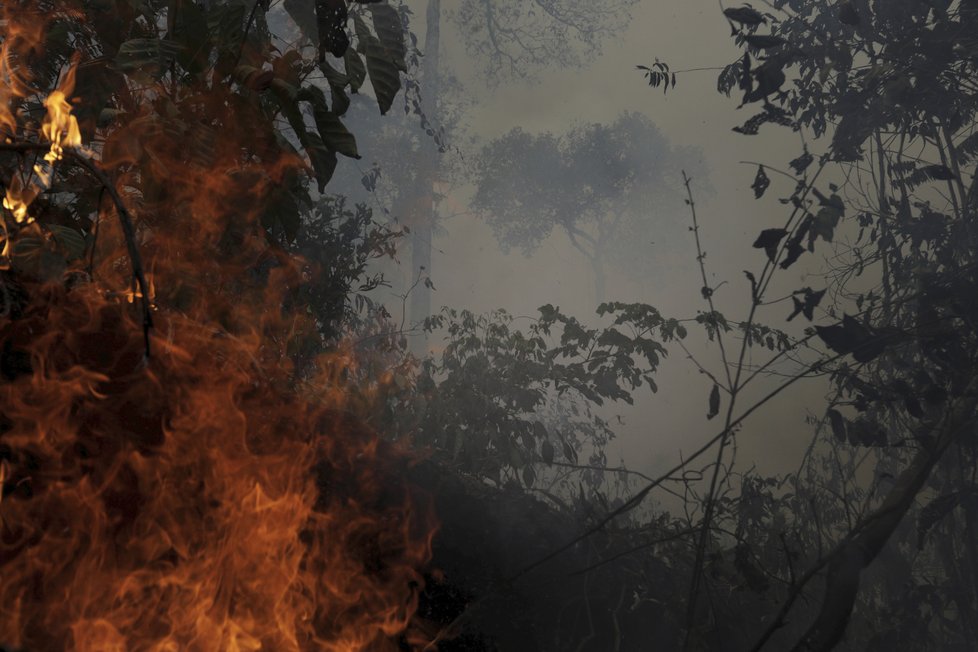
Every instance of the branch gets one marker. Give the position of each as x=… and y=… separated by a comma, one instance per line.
x=125, y=220
x=864, y=543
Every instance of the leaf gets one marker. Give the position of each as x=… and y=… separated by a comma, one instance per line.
x=761, y=182
x=800, y=164
x=770, y=77
x=384, y=73
x=390, y=32
x=356, y=70
x=932, y=513
x=528, y=476
x=148, y=56
x=331, y=18
x=744, y=15
x=851, y=337
x=863, y=432
x=848, y=14
x=769, y=240
x=940, y=172
x=547, y=451
x=331, y=129
x=807, y=304
x=825, y=222
x=303, y=13
x=539, y=430
x=568, y=450
x=226, y=25
x=70, y=239
x=190, y=32
x=764, y=41
x=714, y=402
x=838, y=424
x=793, y=250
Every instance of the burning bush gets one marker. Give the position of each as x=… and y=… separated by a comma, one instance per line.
x=164, y=486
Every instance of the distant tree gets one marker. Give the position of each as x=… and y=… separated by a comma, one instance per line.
x=513, y=37
x=506, y=38
x=611, y=189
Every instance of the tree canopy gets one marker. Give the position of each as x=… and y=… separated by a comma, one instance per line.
x=613, y=190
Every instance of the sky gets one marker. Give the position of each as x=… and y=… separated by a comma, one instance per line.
x=470, y=271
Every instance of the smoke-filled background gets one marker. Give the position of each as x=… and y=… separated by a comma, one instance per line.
x=483, y=96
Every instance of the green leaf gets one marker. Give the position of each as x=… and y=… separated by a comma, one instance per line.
x=190, y=31
x=331, y=129
x=547, y=452
x=323, y=159
x=226, y=25
x=932, y=513
x=356, y=70
x=714, y=407
x=331, y=18
x=761, y=182
x=769, y=240
x=384, y=73
x=390, y=32
x=70, y=239
x=303, y=13
x=744, y=15
x=283, y=211
x=146, y=56
x=838, y=424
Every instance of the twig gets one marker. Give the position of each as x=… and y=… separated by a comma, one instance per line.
x=129, y=233
x=244, y=37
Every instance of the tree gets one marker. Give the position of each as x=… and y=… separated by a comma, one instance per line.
x=888, y=84
x=497, y=36
x=613, y=190
x=157, y=463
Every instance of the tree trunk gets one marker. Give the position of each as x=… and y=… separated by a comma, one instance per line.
x=422, y=218
x=600, y=280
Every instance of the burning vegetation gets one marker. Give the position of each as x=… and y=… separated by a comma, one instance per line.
x=170, y=482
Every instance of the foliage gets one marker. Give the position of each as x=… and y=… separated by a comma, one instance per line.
x=531, y=185
x=504, y=404
x=884, y=87
x=510, y=37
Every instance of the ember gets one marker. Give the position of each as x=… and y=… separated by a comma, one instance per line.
x=191, y=500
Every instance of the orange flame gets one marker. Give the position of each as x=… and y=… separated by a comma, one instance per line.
x=193, y=501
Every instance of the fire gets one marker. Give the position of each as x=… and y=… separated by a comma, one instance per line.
x=194, y=500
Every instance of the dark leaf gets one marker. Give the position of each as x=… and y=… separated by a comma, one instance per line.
x=547, y=452
x=761, y=183
x=331, y=24
x=792, y=252
x=939, y=172
x=764, y=41
x=932, y=513
x=848, y=14
x=807, y=304
x=838, y=424
x=390, y=33
x=800, y=164
x=769, y=240
x=744, y=15
x=851, y=337
x=770, y=77
x=863, y=432
x=381, y=66
x=746, y=81
x=714, y=402
x=303, y=13
x=356, y=71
